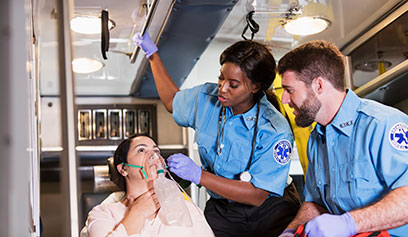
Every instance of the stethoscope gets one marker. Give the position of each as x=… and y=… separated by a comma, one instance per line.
x=244, y=176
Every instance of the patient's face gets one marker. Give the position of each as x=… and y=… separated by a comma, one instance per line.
x=142, y=152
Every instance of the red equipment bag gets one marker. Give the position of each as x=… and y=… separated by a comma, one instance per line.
x=300, y=232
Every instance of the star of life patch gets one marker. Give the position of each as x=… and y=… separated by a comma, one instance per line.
x=399, y=136
x=282, y=151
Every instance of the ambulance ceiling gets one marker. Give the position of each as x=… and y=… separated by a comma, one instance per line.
x=184, y=29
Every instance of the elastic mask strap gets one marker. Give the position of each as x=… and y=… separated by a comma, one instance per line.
x=136, y=166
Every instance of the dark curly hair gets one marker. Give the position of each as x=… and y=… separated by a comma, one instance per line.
x=253, y=58
x=120, y=156
x=315, y=59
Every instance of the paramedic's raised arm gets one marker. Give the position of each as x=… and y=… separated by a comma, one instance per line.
x=165, y=86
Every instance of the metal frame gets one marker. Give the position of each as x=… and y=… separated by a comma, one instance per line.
x=69, y=159
x=149, y=18
x=126, y=118
x=374, y=30
x=382, y=79
x=94, y=124
x=123, y=109
x=88, y=126
x=119, y=127
x=142, y=60
x=142, y=123
x=389, y=75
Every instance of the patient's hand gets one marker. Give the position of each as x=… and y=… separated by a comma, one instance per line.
x=139, y=210
x=146, y=204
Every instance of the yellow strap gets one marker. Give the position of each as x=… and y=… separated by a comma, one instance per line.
x=301, y=134
x=186, y=196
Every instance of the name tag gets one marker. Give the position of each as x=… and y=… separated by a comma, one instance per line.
x=346, y=124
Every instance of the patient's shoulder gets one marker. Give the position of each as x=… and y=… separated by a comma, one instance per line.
x=115, y=210
x=113, y=197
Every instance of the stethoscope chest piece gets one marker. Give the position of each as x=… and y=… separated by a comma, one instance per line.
x=245, y=176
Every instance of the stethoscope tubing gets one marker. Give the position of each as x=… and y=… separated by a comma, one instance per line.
x=220, y=136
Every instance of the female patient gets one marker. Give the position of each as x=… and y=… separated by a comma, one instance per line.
x=137, y=214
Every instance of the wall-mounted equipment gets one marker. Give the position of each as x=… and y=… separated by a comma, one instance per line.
x=109, y=124
x=99, y=124
x=84, y=124
x=144, y=121
x=115, y=124
x=129, y=122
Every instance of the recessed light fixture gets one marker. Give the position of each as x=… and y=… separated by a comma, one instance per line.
x=86, y=65
x=316, y=16
x=373, y=65
x=306, y=25
x=89, y=24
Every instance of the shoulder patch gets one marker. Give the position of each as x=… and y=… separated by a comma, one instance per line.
x=282, y=151
x=399, y=136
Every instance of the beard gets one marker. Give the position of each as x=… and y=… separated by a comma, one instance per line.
x=307, y=111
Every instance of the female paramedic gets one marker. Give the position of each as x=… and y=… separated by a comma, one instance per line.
x=244, y=142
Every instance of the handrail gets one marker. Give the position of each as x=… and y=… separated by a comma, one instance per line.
x=69, y=159
x=143, y=65
x=144, y=29
x=351, y=46
x=382, y=79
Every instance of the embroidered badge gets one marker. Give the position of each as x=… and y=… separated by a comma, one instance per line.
x=282, y=151
x=399, y=136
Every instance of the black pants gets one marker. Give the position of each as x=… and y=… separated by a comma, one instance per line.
x=236, y=219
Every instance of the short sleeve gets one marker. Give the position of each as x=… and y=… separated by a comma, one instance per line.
x=270, y=170
x=389, y=149
x=185, y=105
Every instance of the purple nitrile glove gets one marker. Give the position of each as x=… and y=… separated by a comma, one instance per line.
x=145, y=43
x=287, y=233
x=184, y=167
x=331, y=225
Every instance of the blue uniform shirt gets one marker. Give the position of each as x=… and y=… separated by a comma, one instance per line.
x=359, y=157
x=199, y=108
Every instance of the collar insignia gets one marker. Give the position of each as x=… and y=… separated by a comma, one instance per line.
x=346, y=124
x=251, y=118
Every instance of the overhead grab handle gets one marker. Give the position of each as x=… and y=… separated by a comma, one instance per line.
x=144, y=29
x=251, y=24
x=105, y=33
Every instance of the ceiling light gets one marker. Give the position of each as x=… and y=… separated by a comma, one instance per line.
x=86, y=65
x=306, y=25
x=373, y=65
x=89, y=24
x=316, y=16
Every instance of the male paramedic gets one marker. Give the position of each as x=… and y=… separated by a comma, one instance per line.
x=358, y=152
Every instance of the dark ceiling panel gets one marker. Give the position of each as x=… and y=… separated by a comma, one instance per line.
x=190, y=28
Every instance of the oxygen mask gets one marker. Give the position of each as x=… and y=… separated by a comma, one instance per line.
x=153, y=164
